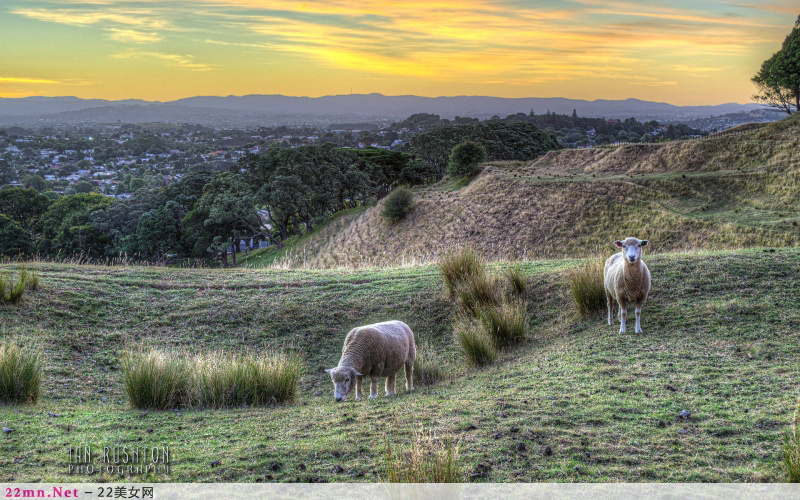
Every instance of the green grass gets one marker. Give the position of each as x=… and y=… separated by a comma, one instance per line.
x=722, y=340
x=791, y=449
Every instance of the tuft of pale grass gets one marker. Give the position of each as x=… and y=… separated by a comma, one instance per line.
x=225, y=382
x=459, y=267
x=475, y=342
x=477, y=291
x=791, y=448
x=163, y=380
x=516, y=281
x=428, y=367
x=20, y=374
x=429, y=459
x=157, y=380
x=587, y=289
x=505, y=322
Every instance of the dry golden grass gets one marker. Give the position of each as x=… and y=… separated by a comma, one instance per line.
x=728, y=192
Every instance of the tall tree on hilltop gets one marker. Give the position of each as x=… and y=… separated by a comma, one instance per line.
x=778, y=80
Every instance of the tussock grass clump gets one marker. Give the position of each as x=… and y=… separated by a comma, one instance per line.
x=160, y=380
x=428, y=366
x=505, y=322
x=586, y=288
x=479, y=348
x=20, y=374
x=11, y=290
x=460, y=267
x=157, y=380
x=516, y=280
x=791, y=448
x=223, y=382
x=429, y=459
x=478, y=291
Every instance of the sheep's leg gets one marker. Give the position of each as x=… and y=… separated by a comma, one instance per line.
x=409, y=375
x=373, y=387
x=638, y=318
x=390, y=384
x=623, y=317
x=610, y=305
x=359, y=392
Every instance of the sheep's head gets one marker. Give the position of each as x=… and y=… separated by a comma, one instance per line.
x=631, y=249
x=344, y=380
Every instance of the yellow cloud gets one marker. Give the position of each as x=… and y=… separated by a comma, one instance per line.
x=129, y=35
x=12, y=79
x=183, y=61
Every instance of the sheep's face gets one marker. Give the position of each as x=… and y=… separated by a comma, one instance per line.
x=631, y=249
x=344, y=380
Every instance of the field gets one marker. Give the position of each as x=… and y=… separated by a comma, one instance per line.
x=576, y=402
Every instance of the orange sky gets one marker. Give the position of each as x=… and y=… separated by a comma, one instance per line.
x=682, y=52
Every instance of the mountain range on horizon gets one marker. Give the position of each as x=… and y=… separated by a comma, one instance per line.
x=257, y=109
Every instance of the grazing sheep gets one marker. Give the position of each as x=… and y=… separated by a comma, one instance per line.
x=373, y=351
x=627, y=281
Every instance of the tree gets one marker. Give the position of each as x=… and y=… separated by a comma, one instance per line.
x=224, y=214
x=465, y=157
x=778, y=80
x=24, y=206
x=14, y=240
x=36, y=182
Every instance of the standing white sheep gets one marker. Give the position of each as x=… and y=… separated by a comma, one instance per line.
x=373, y=351
x=627, y=281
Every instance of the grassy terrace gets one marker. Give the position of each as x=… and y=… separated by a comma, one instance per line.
x=722, y=340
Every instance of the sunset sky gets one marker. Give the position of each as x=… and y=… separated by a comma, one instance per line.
x=681, y=52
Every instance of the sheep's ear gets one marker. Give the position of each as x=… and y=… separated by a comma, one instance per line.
x=644, y=243
x=329, y=371
x=357, y=374
x=619, y=243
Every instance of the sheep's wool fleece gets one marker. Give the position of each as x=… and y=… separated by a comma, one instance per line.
x=379, y=350
x=626, y=283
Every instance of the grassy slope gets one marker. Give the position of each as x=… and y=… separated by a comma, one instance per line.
x=721, y=340
x=729, y=192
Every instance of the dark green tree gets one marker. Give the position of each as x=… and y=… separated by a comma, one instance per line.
x=25, y=206
x=465, y=157
x=778, y=80
x=14, y=239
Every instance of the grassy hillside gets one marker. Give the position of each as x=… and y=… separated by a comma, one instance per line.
x=727, y=192
x=721, y=341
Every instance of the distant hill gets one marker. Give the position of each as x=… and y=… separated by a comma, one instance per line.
x=737, y=190
x=251, y=110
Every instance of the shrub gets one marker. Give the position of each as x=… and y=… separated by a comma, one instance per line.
x=157, y=380
x=428, y=460
x=791, y=449
x=20, y=374
x=398, y=204
x=459, y=267
x=477, y=345
x=586, y=288
x=428, y=369
x=464, y=158
x=505, y=323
